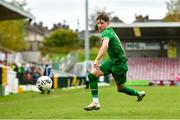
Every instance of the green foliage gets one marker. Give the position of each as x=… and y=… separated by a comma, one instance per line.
x=12, y=34
x=93, y=54
x=55, y=53
x=173, y=14
x=94, y=41
x=160, y=103
x=60, y=42
x=62, y=38
x=172, y=18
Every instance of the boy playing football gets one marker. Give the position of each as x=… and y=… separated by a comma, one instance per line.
x=116, y=64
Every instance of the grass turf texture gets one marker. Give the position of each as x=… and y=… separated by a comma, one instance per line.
x=159, y=103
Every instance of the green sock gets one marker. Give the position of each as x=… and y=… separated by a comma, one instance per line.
x=130, y=91
x=93, y=82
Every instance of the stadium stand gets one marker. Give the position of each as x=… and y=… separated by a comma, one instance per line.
x=156, y=70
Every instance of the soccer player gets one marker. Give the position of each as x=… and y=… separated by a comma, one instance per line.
x=116, y=64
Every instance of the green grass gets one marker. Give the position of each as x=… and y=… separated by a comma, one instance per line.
x=159, y=103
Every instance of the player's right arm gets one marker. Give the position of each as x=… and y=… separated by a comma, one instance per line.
x=101, y=52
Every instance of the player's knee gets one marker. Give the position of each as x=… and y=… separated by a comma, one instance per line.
x=96, y=72
x=120, y=88
x=91, y=77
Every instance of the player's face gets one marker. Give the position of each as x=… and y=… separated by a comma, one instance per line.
x=102, y=24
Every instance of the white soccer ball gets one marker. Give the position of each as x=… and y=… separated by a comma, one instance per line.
x=44, y=83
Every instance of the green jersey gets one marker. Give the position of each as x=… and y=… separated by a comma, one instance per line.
x=115, y=49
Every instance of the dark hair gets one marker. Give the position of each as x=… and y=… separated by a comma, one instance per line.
x=103, y=17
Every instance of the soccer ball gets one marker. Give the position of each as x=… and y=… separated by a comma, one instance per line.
x=44, y=83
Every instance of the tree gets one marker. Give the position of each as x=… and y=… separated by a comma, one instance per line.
x=62, y=38
x=171, y=6
x=12, y=34
x=94, y=41
x=173, y=14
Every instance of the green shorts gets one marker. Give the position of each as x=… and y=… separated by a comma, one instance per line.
x=117, y=69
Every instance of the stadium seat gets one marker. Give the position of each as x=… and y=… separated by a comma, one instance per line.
x=161, y=69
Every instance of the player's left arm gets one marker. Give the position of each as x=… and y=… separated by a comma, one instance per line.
x=102, y=51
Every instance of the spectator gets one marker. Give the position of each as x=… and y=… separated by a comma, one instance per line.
x=47, y=72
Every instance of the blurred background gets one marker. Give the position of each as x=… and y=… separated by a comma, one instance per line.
x=63, y=34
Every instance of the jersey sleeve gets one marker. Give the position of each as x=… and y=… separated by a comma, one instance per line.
x=106, y=35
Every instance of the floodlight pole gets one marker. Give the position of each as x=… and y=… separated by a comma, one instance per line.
x=86, y=34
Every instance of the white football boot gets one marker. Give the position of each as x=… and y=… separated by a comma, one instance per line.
x=141, y=95
x=92, y=106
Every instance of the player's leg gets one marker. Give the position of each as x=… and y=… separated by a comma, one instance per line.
x=93, y=82
x=93, y=78
x=129, y=91
x=119, y=71
x=120, y=80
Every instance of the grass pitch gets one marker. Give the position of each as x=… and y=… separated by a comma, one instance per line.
x=159, y=103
